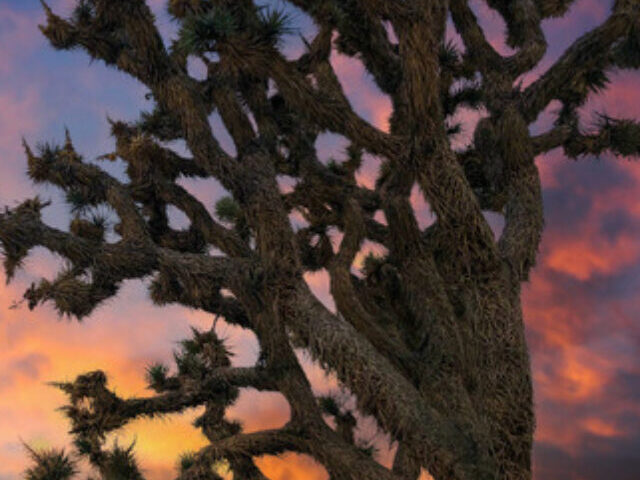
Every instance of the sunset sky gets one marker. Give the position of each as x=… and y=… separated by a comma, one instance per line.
x=581, y=304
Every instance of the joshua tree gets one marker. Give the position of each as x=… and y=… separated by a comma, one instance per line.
x=428, y=337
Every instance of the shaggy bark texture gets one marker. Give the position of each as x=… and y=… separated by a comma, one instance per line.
x=428, y=337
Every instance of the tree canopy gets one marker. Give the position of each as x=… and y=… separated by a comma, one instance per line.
x=427, y=335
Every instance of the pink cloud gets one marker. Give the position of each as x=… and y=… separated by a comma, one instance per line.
x=582, y=258
x=21, y=116
x=17, y=29
x=357, y=85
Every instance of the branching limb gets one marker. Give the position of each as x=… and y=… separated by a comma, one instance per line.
x=145, y=157
x=153, y=170
x=361, y=33
x=553, y=8
x=64, y=168
x=479, y=50
x=431, y=161
x=580, y=70
x=266, y=442
x=512, y=177
x=619, y=136
x=120, y=32
x=524, y=31
x=329, y=108
x=222, y=88
x=349, y=305
x=423, y=291
x=524, y=222
x=21, y=229
x=106, y=264
x=171, y=87
x=165, y=289
x=551, y=139
x=108, y=412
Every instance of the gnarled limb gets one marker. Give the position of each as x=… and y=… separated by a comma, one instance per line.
x=107, y=264
x=553, y=8
x=524, y=30
x=569, y=79
x=108, y=412
x=619, y=136
x=349, y=305
x=173, y=89
x=331, y=110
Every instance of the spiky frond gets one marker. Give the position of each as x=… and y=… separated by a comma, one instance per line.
x=274, y=24
x=120, y=463
x=449, y=55
x=627, y=52
x=228, y=210
x=48, y=151
x=199, y=33
x=367, y=447
x=77, y=201
x=596, y=80
x=329, y=405
x=83, y=445
x=156, y=374
x=372, y=263
x=186, y=461
x=623, y=135
x=189, y=364
x=50, y=464
x=83, y=13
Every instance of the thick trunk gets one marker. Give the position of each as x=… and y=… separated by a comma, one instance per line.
x=495, y=374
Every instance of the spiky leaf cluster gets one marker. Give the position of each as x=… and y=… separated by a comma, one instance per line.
x=199, y=32
x=50, y=465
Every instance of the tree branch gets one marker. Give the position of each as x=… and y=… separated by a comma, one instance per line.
x=524, y=31
x=171, y=87
x=107, y=264
x=553, y=8
x=579, y=70
x=329, y=107
x=479, y=50
x=64, y=168
x=349, y=305
x=108, y=412
x=619, y=136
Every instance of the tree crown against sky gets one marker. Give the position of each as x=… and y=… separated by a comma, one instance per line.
x=428, y=335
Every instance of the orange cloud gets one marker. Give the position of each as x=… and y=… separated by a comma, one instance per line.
x=291, y=466
x=583, y=257
x=601, y=428
x=260, y=410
